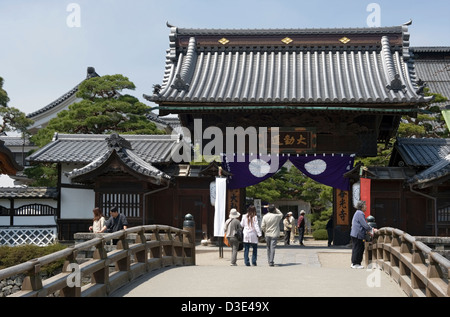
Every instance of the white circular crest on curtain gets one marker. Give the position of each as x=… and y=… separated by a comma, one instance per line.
x=259, y=168
x=316, y=167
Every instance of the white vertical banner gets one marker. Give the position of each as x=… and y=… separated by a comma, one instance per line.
x=220, y=205
x=257, y=204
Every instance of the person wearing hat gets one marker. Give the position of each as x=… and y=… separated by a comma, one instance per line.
x=287, y=222
x=232, y=225
x=116, y=222
x=270, y=225
x=301, y=227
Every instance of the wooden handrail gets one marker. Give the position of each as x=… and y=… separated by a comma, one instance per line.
x=156, y=246
x=413, y=265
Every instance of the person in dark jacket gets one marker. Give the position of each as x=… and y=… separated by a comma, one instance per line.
x=329, y=228
x=301, y=227
x=116, y=222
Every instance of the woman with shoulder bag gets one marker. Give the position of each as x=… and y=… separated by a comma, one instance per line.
x=231, y=227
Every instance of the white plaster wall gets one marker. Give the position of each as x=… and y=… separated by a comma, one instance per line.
x=4, y=220
x=34, y=221
x=77, y=203
x=67, y=168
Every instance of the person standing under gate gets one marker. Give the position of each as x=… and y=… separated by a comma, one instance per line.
x=251, y=234
x=271, y=227
x=329, y=228
x=301, y=227
x=358, y=234
x=231, y=226
x=287, y=222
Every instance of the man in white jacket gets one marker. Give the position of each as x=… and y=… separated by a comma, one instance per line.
x=271, y=227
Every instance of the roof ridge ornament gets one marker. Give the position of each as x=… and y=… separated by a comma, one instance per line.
x=179, y=84
x=396, y=85
x=116, y=141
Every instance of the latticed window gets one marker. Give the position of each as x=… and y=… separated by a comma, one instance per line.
x=129, y=204
x=444, y=214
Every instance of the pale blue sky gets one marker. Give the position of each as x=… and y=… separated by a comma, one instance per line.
x=41, y=57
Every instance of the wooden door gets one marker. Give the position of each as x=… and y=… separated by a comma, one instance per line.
x=194, y=205
x=416, y=211
x=387, y=212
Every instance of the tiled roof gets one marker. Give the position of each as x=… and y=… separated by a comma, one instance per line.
x=391, y=173
x=90, y=74
x=422, y=153
x=28, y=192
x=439, y=170
x=14, y=141
x=289, y=67
x=85, y=148
x=434, y=70
x=127, y=156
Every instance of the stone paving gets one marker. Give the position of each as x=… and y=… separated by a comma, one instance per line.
x=313, y=270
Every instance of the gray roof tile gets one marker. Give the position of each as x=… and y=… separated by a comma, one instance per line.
x=439, y=170
x=422, y=152
x=29, y=192
x=85, y=148
x=286, y=73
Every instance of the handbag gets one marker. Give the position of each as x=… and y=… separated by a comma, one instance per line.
x=225, y=240
x=239, y=235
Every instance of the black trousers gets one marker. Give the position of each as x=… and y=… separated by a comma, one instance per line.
x=357, y=250
x=287, y=237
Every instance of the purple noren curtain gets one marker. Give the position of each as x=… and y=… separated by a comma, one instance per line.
x=327, y=169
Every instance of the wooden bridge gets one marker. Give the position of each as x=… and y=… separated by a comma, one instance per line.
x=155, y=246
x=417, y=269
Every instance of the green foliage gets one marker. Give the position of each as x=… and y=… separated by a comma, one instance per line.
x=10, y=256
x=428, y=123
x=320, y=234
x=319, y=220
x=104, y=87
x=102, y=111
x=13, y=118
x=4, y=99
x=45, y=175
x=293, y=184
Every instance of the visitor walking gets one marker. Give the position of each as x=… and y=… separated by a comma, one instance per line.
x=301, y=227
x=287, y=223
x=251, y=234
x=231, y=226
x=271, y=227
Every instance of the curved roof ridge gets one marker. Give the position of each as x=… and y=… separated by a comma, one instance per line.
x=287, y=31
x=91, y=73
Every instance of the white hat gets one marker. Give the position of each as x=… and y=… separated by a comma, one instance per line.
x=234, y=213
x=302, y=212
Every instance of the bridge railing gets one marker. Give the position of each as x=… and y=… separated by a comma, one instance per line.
x=155, y=246
x=414, y=266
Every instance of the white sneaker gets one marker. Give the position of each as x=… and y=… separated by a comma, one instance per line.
x=357, y=266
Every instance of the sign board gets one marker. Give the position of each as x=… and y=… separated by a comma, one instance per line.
x=294, y=140
x=342, y=207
